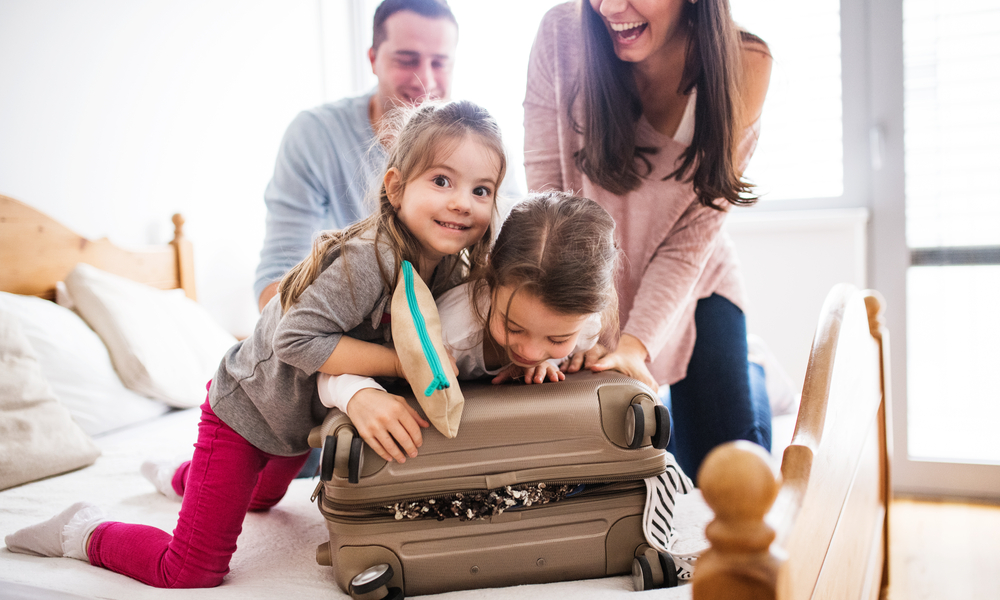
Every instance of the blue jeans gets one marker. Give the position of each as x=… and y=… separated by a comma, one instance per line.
x=723, y=397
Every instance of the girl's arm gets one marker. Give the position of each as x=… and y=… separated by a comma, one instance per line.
x=309, y=335
x=357, y=357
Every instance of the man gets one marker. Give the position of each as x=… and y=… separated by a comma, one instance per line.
x=329, y=157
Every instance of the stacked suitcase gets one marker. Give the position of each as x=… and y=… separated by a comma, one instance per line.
x=603, y=430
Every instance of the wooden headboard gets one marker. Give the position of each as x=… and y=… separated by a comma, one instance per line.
x=819, y=529
x=36, y=251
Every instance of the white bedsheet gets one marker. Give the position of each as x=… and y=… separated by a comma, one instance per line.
x=276, y=551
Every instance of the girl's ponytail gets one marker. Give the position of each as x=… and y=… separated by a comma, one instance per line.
x=303, y=274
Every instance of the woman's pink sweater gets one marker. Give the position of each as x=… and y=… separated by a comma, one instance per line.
x=675, y=252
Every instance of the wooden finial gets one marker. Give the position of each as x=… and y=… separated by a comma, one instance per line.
x=185, y=258
x=875, y=304
x=178, y=225
x=739, y=482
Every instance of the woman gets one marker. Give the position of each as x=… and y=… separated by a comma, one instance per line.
x=651, y=108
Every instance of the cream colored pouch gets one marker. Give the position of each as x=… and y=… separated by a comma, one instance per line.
x=416, y=334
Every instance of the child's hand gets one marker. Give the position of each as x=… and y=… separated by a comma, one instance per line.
x=387, y=423
x=536, y=374
x=584, y=360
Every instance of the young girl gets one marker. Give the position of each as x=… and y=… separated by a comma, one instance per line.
x=435, y=209
x=547, y=293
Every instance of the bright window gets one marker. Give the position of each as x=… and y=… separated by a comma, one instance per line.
x=952, y=88
x=801, y=149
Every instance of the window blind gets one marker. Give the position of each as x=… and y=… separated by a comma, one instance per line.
x=952, y=126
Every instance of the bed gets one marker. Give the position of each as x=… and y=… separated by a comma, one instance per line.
x=815, y=527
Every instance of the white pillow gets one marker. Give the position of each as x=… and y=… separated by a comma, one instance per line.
x=38, y=437
x=76, y=364
x=162, y=344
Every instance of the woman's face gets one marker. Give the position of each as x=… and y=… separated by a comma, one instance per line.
x=641, y=28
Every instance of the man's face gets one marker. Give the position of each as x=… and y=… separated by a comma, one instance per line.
x=415, y=61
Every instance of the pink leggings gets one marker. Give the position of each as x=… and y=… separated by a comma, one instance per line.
x=226, y=477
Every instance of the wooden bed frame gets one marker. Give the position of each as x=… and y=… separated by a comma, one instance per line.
x=826, y=533
x=37, y=251
x=815, y=530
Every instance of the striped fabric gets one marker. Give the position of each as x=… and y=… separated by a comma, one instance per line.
x=658, y=516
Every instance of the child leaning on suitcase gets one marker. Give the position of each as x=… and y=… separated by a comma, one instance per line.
x=544, y=300
x=436, y=209
x=546, y=295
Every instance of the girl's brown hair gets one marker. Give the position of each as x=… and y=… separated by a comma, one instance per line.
x=611, y=107
x=561, y=249
x=416, y=138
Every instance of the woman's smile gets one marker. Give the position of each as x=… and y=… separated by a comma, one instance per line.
x=625, y=33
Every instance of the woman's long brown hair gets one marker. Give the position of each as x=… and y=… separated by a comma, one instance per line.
x=611, y=108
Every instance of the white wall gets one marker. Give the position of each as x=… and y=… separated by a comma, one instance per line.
x=115, y=114
x=790, y=261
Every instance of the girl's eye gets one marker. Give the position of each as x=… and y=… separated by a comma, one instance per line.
x=558, y=342
x=514, y=331
x=440, y=181
x=485, y=192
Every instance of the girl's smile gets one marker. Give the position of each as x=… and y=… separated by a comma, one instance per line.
x=451, y=204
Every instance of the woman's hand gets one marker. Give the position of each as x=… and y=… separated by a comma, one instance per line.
x=536, y=374
x=629, y=358
x=584, y=360
x=387, y=423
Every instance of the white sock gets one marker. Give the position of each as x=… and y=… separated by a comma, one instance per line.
x=161, y=474
x=65, y=534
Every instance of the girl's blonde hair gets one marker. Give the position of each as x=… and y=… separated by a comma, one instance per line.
x=561, y=249
x=417, y=138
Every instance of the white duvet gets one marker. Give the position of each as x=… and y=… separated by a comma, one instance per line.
x=276, y=551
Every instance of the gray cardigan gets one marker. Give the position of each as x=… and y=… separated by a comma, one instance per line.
x=265, y=388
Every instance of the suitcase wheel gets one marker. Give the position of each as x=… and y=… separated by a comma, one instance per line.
x=646, y=419
x=343, y=456
x=635, y=420
x=653, y=570
x=372, y=582
x=662, y=436
x=642, y=574
x=329, y=453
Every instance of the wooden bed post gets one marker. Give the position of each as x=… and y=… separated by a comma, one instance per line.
x=185, y=258
x=875, y=305
x=739, y=482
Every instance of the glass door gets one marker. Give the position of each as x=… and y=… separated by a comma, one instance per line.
x=937, y=237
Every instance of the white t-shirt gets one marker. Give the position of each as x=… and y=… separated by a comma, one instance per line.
x=462, y=334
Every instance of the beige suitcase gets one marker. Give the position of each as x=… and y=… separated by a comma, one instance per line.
x=603, y=430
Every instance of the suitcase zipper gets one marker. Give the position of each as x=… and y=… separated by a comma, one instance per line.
x=366, y=513
x=325, y=502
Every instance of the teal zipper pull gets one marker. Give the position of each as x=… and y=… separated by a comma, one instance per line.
x=440, y=380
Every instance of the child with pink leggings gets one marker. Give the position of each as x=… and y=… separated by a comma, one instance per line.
x=436, y=209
